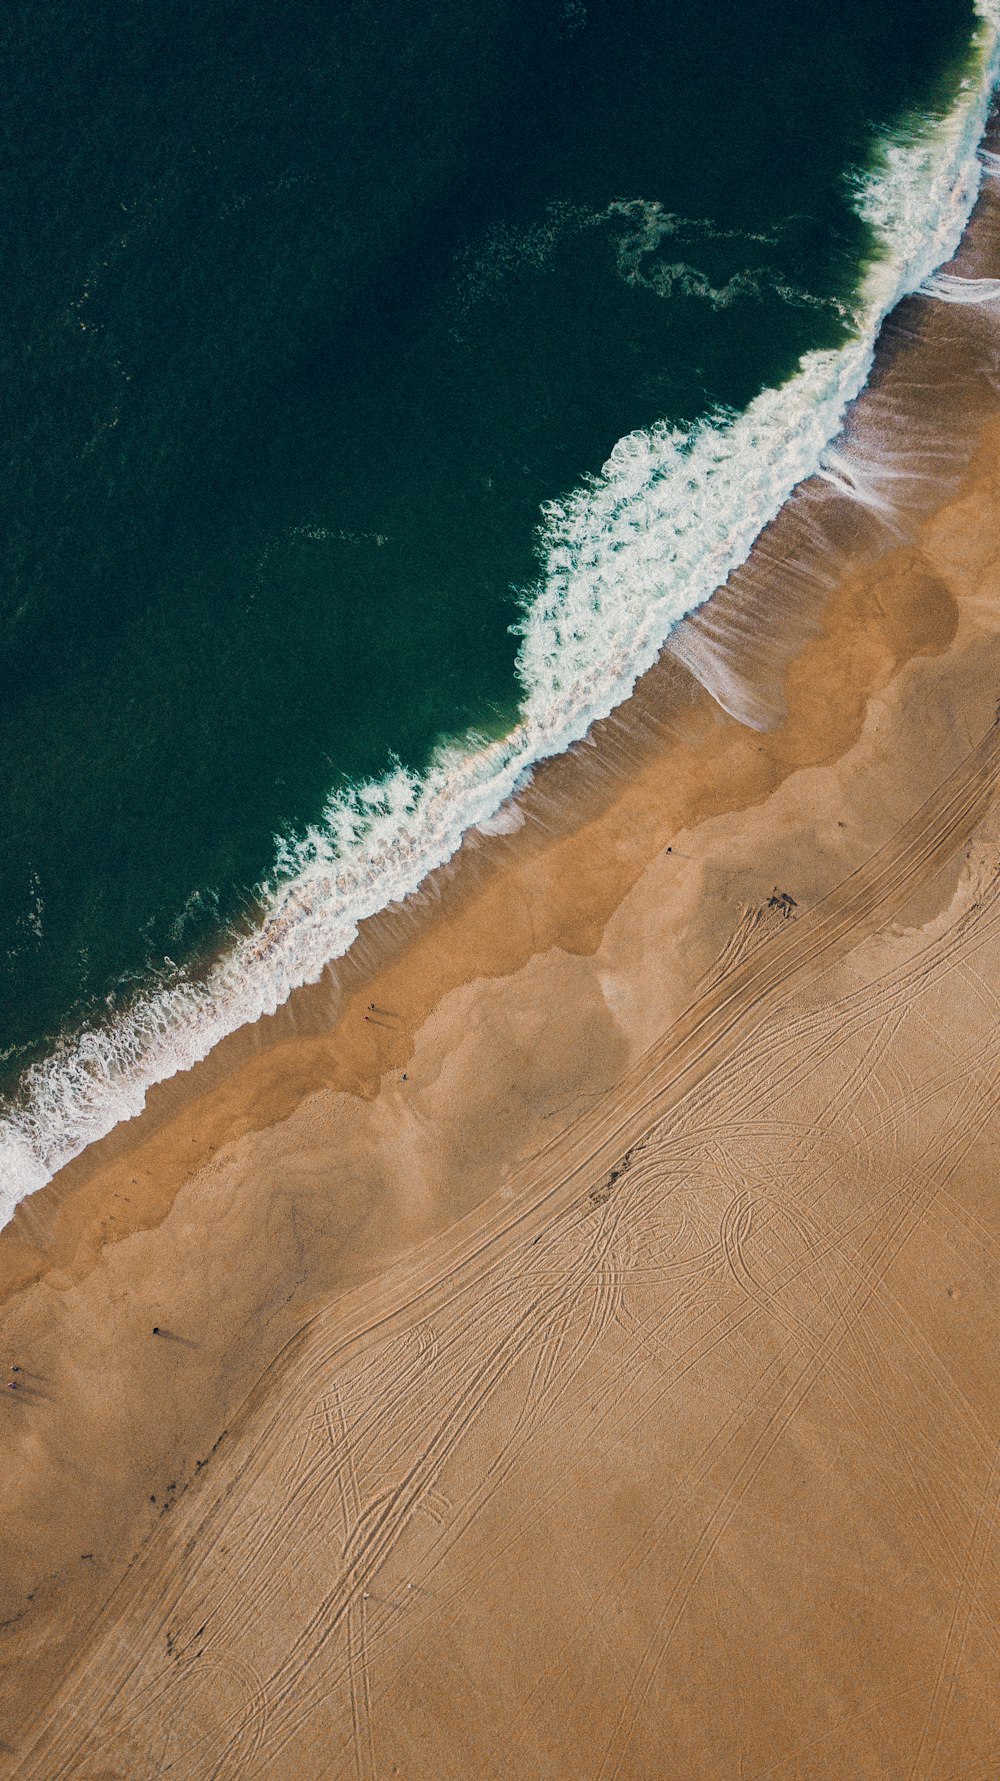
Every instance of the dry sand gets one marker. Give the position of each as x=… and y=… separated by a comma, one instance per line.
x=579, y=1314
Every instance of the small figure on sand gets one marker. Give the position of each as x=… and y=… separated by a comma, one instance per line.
x=782, y=900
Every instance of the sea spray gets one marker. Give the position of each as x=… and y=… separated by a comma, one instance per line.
x=671, y=516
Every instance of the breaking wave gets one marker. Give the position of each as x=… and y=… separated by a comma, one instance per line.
x=671, y=516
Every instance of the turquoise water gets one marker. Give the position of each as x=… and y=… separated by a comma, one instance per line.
x=308, y=312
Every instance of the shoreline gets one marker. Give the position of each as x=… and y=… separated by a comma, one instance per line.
x=766, y=631
x=80, y=1094
x=743, y=643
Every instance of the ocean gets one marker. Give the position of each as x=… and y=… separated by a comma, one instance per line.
x=382, y=383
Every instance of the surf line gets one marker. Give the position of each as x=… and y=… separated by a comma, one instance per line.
x=624, y=558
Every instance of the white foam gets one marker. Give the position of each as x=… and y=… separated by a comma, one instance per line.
x=949, y=287
x=508, y=819
x=635, y=232
x=670, y=517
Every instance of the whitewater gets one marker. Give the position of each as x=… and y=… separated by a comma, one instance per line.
x=633, y=551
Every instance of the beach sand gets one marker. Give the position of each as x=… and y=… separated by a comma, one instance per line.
x=578, y=1314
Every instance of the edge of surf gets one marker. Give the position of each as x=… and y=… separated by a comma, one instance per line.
x=626, y=556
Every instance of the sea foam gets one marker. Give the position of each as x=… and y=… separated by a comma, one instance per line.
x=625, y=558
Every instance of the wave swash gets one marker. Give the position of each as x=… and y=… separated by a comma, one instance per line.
x=631, y=552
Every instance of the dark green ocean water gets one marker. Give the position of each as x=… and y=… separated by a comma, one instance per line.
x=305, y=311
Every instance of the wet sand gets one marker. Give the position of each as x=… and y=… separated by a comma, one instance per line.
x=578, y=1314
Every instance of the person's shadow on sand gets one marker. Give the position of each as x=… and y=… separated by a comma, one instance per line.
x=27, y=1389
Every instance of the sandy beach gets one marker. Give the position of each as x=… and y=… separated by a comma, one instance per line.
x=577, y=1315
